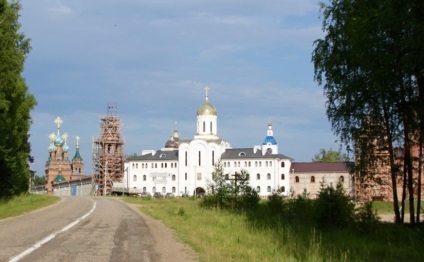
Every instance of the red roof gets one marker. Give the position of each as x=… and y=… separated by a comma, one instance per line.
x=321, y=167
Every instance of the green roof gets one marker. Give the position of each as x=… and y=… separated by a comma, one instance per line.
x=59, y=178
x=77, y=155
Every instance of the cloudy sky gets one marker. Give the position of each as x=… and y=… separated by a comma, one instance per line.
x=154, y=57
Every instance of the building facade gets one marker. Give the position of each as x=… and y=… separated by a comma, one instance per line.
x=186, y=166
x=58, y=167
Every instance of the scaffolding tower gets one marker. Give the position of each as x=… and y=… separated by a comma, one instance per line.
x=108, y=153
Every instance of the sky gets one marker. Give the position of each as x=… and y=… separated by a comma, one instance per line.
x=154, y=57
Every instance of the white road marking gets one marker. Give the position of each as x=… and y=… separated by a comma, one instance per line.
x=50, y=237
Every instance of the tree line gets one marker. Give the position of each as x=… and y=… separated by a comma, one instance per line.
x=15, y=104
x=371, y=65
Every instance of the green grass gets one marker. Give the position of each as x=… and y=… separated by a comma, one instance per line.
x=384, y=208
x=25, y=203
x=218, y=235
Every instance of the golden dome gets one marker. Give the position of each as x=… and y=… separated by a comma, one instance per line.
x=206, y=109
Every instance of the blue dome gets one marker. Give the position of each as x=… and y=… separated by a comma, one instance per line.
x=269, y=140
x=66, y=148
x=58, y=140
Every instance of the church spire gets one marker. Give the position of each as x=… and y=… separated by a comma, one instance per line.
x=206, y=93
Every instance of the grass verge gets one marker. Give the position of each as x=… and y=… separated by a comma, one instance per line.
x=218, y=235
x=25, y=203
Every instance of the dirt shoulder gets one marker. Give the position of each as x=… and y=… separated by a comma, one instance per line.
x=166, y=243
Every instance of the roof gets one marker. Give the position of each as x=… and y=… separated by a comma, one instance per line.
x=243, y=153
x=159, y=155
x=322, y=166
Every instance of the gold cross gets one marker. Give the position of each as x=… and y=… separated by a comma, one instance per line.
x=206, y=92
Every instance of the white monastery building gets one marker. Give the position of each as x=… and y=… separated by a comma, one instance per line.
x=186, y=166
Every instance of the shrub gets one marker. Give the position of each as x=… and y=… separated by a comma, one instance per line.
x=333, y=208
x=366, y=219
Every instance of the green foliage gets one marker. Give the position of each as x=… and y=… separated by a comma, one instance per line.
x=39, y=181
x=333, y=208
x=235, y=196
x=15, y=104
x=366, y=218
x=330, y=156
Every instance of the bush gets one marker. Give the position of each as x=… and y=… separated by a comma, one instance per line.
x=333, y=208
x=366, y=219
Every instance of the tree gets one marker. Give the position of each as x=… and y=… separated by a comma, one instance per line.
x=15, y=104
x=371, y=64
x=39, y=181
x=330, y=156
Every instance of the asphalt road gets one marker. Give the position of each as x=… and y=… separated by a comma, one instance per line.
x=78, y=229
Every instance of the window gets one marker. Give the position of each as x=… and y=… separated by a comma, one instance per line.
x=161, y=165
x=268, y=189
x=163, y=190
x=258, y=189
x=225, y=164
x=175, y=165
x=249, y=163
x=204, y=127
x=132, y=165
x=283, y=177
x=135, y=178
x=173, y=177
x=211, y=127
x=258, y=176
x=144, y=189
x=185, y=158
x=341, y=179
x=185, y=176
x=283, y=189
x=173, y=189
x=199, y=176
x=144, y=177
x=162, y=156
x=260, y=163
x=154, y=189
x=256, y=163
x=312, y=179
x=268, y=176
x=200, y=157
x=166, y=165
x=242, y=154
x=296, y=179
x=270, y=163
x=266, y=163
x=282, y=164
x=136, y=165
x=213, y=158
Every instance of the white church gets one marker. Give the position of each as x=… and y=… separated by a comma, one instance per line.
x=186, y=166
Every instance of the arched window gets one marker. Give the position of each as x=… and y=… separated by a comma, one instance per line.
x=268, y=176
x=341, y=179
x=163, y=190
x=136, y=165
x=225, y=164
x=258, y=189
x=283, y=189
x=173, y=189
x=144, y=189
x=266, y=163
x=175, y=165
x=256, y=163
x=173, y=177
x=185, y=176
x=312, y=179
x=260, y=163
x=204, y=127
x=283, y=177
x=154, y=189
x=132, y=165
x=258, y=176
x=282, y=164
x=144, y=177
x=296, y=179
x=270, y=163
x=135, y=178
x=268, y=189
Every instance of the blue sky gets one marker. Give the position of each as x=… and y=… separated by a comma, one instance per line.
x=153, y=59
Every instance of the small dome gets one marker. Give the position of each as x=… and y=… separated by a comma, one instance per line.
x=206, y=109
x=59, y=178
x=269, y=140
x=59, y=141
x=65, y=147
x=52, y=148
x=173, y=142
